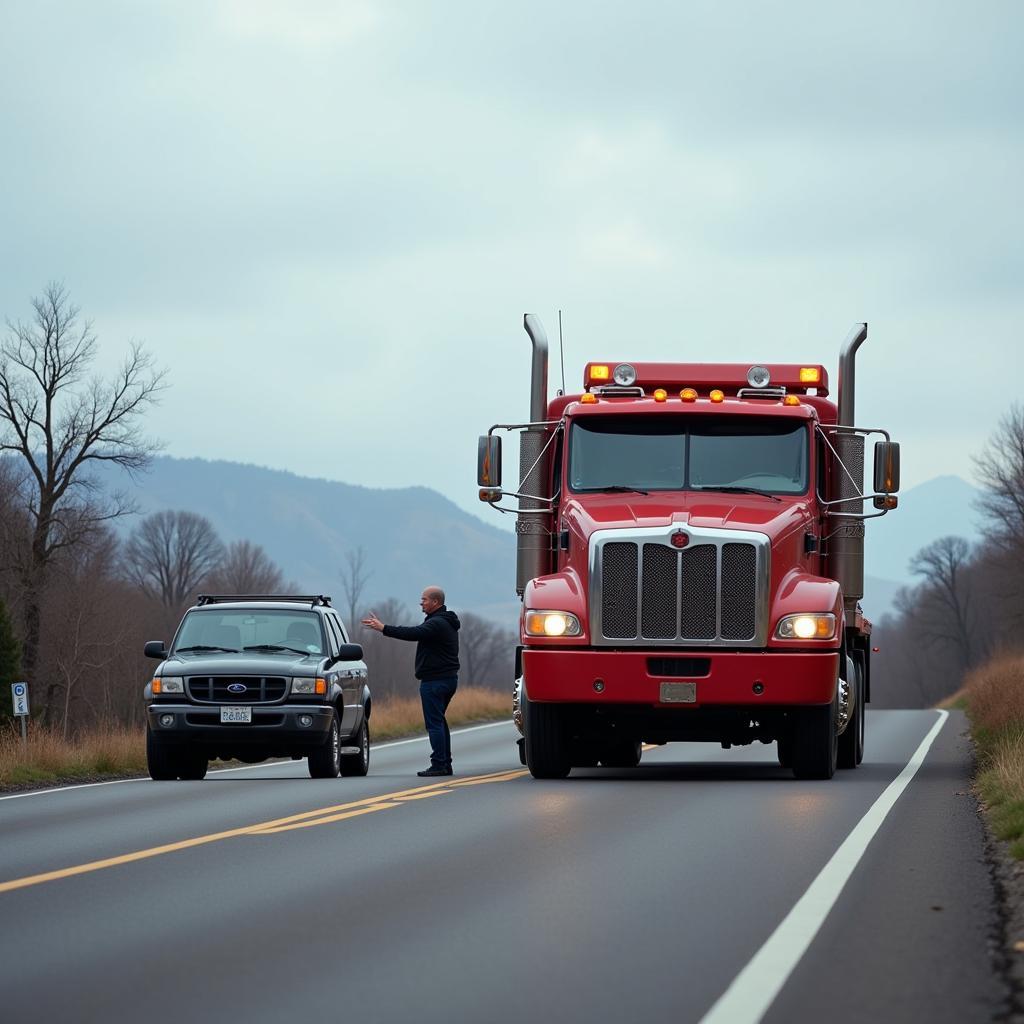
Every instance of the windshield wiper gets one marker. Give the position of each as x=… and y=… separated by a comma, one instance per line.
x=274, y=647
x=739, y=490
x=617, y=489
x=205, y=647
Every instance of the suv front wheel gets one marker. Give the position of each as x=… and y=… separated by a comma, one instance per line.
x=325, y=762
x=166, y=762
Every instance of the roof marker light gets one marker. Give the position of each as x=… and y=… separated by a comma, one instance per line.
x=717, y=396
x=810, y=374
x=588, y=399
x=660, y=394
x=791, y=400
x=758, y=377
x=599, y=373
x=688, y=395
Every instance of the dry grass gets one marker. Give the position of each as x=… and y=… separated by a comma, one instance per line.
x=995, y=703
x=403, y=716
x=48, y=757
x=116, y=752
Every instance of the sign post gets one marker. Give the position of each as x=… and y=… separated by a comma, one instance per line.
x=19, y=696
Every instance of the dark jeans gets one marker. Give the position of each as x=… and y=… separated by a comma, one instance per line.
x=436, y=695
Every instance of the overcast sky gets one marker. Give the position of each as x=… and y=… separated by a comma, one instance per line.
x=326, y=219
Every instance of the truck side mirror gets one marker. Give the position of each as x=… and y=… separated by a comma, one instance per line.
x=350, y=652
x=887, y=467
x=488, y=461
x=155, y=649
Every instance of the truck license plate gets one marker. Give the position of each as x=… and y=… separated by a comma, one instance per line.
x=678, y=693
x=235, y=714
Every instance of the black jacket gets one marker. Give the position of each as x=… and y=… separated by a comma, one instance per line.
x=437, y=647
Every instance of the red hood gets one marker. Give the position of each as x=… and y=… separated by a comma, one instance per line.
x=721, y=511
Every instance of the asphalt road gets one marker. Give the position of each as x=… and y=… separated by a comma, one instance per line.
x=263, y=895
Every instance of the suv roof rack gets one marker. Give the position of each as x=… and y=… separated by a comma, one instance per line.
x=311, y=599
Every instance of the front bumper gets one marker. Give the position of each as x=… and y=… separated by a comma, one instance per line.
x=272, y=725
x=724, y=678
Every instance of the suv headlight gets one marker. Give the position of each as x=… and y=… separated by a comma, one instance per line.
x=163, y=685
x=807, y=626
x=552, y=623
x=308, y=686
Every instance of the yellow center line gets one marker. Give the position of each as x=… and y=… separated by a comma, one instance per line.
x=321, y=821
x=320, y=816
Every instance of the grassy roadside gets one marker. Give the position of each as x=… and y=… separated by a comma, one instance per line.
x=115, y=752
x=994, y=698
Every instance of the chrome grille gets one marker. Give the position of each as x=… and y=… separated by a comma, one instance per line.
x=618, y=600
x=658, y=600
x=258, y=689
x=699, y=587
x=712, y=592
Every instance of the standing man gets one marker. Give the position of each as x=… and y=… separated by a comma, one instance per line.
x=437, y=669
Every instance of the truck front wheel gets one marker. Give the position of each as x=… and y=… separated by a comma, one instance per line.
x=815, y=743
x=547, y=749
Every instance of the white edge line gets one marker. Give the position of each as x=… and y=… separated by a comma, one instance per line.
x=243, y=768
x=754, y=989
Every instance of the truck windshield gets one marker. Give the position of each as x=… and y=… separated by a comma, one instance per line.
x=232, y=629
x=675, y=453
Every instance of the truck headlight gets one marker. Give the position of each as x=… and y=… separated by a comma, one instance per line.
x=807, y=626
x=551, y=623
x=308, y=686
x=163, y=685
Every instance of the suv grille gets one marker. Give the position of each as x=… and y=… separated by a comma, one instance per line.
x=258, y=689
x=713, y=591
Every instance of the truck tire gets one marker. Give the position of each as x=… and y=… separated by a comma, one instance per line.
x=815, y=744
x=547, y=749
x=851, y=743
x=161, y=759
x=625, y=754
x=325, y=761
x=358, y=764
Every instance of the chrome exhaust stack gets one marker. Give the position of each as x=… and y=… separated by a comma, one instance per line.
x=847, y=542
x=533, y=533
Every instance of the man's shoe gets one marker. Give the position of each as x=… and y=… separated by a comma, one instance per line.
x=430, y=773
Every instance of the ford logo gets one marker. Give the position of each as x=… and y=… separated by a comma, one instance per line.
x=237, y=688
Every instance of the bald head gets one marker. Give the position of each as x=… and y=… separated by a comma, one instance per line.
x=432, y=599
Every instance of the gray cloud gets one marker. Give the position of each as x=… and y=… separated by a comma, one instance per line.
x=328, y=219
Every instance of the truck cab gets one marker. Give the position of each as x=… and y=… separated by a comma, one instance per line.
x=691, y=562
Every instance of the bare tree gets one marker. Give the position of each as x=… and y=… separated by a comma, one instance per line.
x=169, y=554
x=354, y=577
x=947, y=596
x=247, y=569
x=1000, y=468
x=486, y=651
x=59, y=423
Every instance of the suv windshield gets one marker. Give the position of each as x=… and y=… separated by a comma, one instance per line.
x=674, y=453
x=237, y=628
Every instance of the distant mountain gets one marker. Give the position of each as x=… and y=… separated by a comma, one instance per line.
x=941, y=506
x=412, y=536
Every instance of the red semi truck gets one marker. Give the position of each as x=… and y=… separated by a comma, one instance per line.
x=690, y=558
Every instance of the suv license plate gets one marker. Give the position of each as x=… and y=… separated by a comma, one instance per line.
x=678, y=693
x=235, y=714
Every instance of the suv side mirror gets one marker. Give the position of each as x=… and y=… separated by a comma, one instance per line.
x=350, y=652
x=155, y=649
x=488, y=461
x=887, y=467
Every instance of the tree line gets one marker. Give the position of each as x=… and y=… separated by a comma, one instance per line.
x=968, y=603
x=78, y=598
